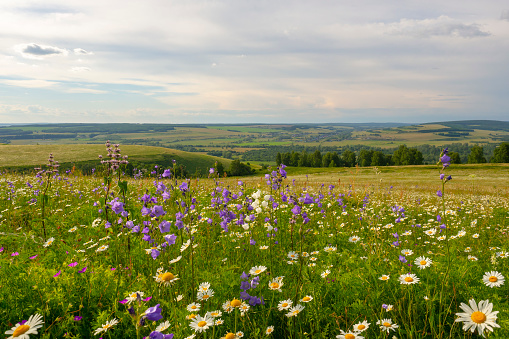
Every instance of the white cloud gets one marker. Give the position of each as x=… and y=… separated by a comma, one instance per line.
x=30, y=83
x=79, y=69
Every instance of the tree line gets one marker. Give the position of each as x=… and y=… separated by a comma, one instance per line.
x=403, y=155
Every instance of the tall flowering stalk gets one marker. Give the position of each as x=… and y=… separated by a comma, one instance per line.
x=444, y=162
x=53, y=169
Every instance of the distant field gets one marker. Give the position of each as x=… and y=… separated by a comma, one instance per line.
x=238, y=138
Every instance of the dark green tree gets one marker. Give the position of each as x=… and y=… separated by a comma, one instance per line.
x=455, y=157
x=476, y=155
x=501, y=153
x=348, y=158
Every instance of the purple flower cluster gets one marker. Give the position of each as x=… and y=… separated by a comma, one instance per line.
x=246, y=285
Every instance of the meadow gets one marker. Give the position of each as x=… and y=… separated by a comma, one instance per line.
x=405, y=252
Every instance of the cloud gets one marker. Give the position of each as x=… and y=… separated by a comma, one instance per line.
x=86, y=90
x=29, y=83
x=441, y=26
x=505, y=15
x=35, y=51
x=80, y=69
x=81, y=51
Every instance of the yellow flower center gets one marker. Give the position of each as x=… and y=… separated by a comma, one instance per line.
x=230, y=336
x=423, y=262
x=206, y=296
x=214, y=314
x=306, y=299
x=386, y=324
x=202, y=323
x=349, y=336
x=284, y=305
x=493, y=279
x=384, y=278
x=133, y=295
x=167, y=277
x=235, y=303
x=361, y=327
x=20, y=330
x=407, y=253
x=258, y=271
x=478, y=317
x=409, y=279
x=274, y=285
x=193, y=307
x=192, y=316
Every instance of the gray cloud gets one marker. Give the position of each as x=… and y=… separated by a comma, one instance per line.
x=81, y=51
x=39, y=50
x=442, y=26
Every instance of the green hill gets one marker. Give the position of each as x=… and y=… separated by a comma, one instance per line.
x=87, y=156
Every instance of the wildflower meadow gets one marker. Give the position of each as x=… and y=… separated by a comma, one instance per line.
x=159, y=256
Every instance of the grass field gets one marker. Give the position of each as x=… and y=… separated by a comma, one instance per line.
x=307, y=253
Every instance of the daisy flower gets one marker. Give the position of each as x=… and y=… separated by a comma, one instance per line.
x=354, y=238
x=294, y=311
x=384, y=277
x=219, y=322
x=185, y=245
x=22, y=331
x=257, y=270
x=201, y=324
x=408, y=279
x=72, y=229
x=493, y=279
x=230, y=335
x=215, y=314
x=269, y=330
x=163, y=326
x=387, y=325
x=360, y=327
x=204, y=296
x=276, y=283
x=325, y=273
x=330, y=249
x=264, y=247
x=306, y=299
x=175, y=260
x=193, y=307
x=284, y=305
x=49, y=242
x=423, y=262
x=480, y=317
x=166, y=278
x=133, y=297
x=293, y=255
x=407, y=252
x=102, y=248
x=107, y=326
x=204, y=287
x=349, y=335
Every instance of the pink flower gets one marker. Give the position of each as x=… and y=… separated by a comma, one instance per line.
x=14, y=254
x=72, y=264
x=35, y=256
x=56, y=275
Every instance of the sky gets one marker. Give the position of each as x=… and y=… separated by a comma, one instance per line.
x=253, y=61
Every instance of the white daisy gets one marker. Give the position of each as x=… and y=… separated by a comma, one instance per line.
x=163, y=326
x=408, y=279
x=107, y=326
x=493, y=279
x=284, y=305
x=325, y=273
x=193, y=307
x=49, y=242
x=201, y=324
x=349, y=335
x=22, y=331
x=257, y=270
x=480, y=317
x=423, y=262
x=360, y=327
x=407, y=252
x=133, y=297
x=384, y=277
x=387, y=325
x=294, y=311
